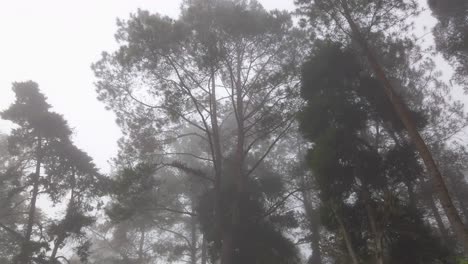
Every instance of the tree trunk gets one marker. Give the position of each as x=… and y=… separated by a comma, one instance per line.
x=440, y=224
x=240, y=180
x=57, y=244
x=405, y=117
x=141, y=248
x=24, y=256
x=376, y=230
x=204, y=253
x=62, y=236
x=347, y=239
x=411, y=196
x=223, y=230
x=315, y=242
x=218, y=164
x=464, y=207
x=314, y=224
x=193, y=238
x=460, y=191
x=227, y=246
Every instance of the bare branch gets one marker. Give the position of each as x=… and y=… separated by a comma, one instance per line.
x=14, y=233
x=173, y=232
x=174, y=210
x=186, y=154
x=278, y=204
x=270, y=147
x=187, y=169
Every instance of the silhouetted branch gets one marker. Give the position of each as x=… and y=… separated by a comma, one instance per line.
x=274, y=207
x=187, y=169
x=175, y=211
x=17, y=235
x=173, y=232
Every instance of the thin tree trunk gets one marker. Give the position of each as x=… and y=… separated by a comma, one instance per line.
x=57, y=244
x=141, y=248
x=405, y=117
x=347, y=238
x=193, y=239
x=376, y=230
x=222, y=229
x=459, y=190
x=218, y=164
x=411, y=196
x=204, y=254
x=24, y=256
x=62, y=236
x=315, y=239
x=227, y=246
x=435, y=213
x=377, y=136
x=464, y=206
x=314, y=223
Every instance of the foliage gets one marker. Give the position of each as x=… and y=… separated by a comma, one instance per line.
x=451, y=34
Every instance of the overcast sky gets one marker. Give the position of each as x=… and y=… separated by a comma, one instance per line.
x=54, y=42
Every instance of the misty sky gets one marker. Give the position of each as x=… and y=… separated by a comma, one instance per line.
x=54, y=42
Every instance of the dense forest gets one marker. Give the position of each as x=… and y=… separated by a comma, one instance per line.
x=325, y=135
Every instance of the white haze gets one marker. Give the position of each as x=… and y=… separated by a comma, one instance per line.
x=54, y=42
